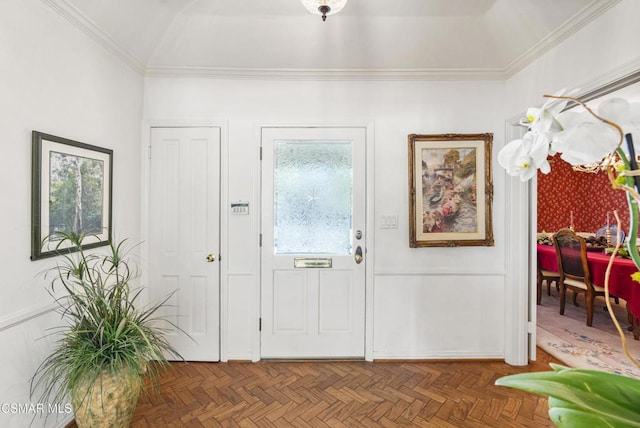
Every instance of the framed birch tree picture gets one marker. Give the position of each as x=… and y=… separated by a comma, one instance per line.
x=71, y=194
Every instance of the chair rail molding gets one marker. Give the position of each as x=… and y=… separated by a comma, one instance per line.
x=24, y=315
x=439, y=272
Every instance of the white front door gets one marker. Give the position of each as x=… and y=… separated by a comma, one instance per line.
x=313, y=243
x=184, y=236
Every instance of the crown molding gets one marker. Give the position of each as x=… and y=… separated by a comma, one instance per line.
x=619, y=77
x=589, y=13
x=91, y=29
x=324, y=74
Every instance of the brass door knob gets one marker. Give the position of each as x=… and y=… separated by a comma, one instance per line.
x=358, y=255
x=211, y=258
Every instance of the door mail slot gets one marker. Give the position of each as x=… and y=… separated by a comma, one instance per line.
x=312, y=262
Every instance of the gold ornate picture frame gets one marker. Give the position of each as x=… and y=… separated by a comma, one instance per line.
x=450, y=190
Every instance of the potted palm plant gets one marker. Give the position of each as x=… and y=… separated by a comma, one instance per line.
x=109, y=344
x=590, y=142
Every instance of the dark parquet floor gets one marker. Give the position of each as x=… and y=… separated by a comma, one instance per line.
x=342, y=394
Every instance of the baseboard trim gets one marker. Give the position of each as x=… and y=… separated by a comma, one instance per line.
x=439, y=360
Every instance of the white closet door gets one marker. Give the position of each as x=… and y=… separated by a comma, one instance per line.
x=184, y=236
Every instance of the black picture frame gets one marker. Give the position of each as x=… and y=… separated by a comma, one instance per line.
x=71, y=191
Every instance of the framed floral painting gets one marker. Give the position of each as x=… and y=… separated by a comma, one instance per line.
x=450, y=190
x=71, y=193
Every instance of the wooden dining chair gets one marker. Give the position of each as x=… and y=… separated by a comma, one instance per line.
x=571, y=251
x=549, y=276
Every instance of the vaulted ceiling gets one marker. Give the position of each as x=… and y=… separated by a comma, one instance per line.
x=369, y=38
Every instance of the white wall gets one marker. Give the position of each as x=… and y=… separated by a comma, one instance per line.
x=428, y=302
x=53, y=79
x=604, y=50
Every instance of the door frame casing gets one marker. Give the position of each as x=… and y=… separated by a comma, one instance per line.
x=223, y=126
x=518, y=263
x=368, y=127
x=521, y=212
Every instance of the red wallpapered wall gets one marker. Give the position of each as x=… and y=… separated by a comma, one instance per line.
x=589, y=196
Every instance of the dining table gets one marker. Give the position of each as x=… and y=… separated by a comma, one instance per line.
x=620, y=282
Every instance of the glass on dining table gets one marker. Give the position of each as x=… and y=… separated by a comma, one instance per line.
x=610, y=233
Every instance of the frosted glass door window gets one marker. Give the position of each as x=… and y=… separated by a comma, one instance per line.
x=312, y=294
x=313, y=195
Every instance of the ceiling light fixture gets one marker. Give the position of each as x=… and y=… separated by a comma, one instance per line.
x=324, y=7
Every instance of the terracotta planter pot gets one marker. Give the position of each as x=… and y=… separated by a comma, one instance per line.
x=109, y=401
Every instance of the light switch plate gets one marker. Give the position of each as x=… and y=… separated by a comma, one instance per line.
x=388, y=222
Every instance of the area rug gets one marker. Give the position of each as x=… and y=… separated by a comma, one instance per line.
x=567, y=337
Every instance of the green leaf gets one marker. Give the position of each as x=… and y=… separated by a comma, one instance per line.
x=570, y=418
x=104, y=329
x=583, y=395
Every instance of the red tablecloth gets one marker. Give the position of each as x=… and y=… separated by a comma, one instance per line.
x=620, y=282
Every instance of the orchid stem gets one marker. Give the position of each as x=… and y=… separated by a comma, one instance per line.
x=607, y=298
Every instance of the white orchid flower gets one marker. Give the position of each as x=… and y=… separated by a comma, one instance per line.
x=624, y=114
x=614, y=109
x=543, y=119
x=585, y=143
x=571, y=118
x=525, y=156
x=568, y=120
x=580, y=137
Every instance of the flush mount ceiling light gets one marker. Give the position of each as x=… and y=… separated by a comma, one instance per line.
x=324, y=7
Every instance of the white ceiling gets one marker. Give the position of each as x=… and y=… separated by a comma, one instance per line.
x=402, y=38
